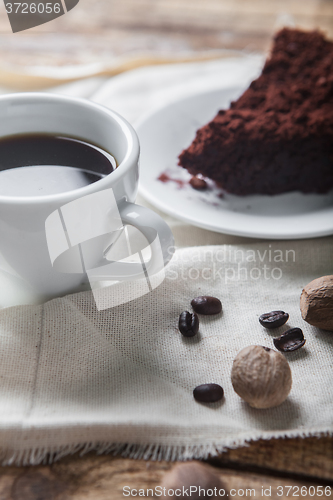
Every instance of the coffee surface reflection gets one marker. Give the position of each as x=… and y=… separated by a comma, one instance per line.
x=42, y=164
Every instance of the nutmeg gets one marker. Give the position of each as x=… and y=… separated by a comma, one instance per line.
x=176, y=483
x=317, y=303
x=261, y=376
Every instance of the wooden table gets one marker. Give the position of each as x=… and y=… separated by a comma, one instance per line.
x=101, y=30
x=264, y=464
x=97, y=30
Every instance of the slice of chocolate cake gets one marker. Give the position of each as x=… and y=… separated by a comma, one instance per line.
x=278, y=136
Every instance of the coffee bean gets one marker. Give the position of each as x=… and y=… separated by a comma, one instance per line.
x=188, y=324
x=273, y=319
x=206, y=305
x=291, y=340
x=208, y=393
x=199, y=184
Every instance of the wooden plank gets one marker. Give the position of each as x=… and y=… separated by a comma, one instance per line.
x=104, y=477
x=102, y=29
x=309, y=457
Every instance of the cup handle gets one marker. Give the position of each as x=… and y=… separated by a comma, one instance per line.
x=158, y=235
x=150, y=225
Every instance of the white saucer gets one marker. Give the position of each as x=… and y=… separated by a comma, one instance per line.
x=165, y=132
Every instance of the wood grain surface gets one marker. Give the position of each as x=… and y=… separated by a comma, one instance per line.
x=100, y=30
x=264, y=464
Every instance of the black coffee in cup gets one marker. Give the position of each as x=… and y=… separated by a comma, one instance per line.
x=46, y=164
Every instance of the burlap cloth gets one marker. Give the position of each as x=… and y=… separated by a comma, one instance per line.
x=75, y=378
x=122, y=379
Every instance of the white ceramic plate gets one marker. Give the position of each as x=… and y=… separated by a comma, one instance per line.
x=165, y=132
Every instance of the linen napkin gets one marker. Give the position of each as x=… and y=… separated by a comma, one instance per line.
x=75, y=378
x=135, y=93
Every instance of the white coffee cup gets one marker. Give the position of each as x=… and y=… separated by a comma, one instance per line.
x=23, y=220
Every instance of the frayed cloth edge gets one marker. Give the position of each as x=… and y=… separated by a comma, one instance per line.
x=154, y=452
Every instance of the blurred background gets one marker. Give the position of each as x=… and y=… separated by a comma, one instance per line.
x=102, y=30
